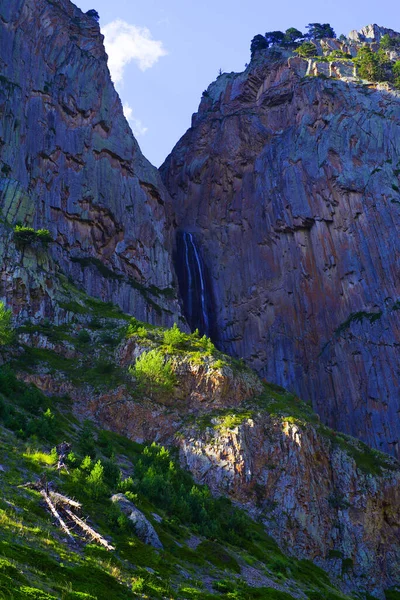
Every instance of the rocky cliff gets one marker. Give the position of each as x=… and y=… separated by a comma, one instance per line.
x=69, y=163
x=289, y=181
x=285, y=192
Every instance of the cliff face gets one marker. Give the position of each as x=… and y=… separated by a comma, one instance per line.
x=309, y=493
x=69, y=163
x=289, y=181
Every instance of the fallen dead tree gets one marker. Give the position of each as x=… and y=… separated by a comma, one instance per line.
x=55, y=514
x=96, y=537
x=62, y=508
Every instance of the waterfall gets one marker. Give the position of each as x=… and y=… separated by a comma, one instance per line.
x=193, y=283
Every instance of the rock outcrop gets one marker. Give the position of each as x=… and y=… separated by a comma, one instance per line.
x=143, y=528
x=317, y=494
x=289, y=179
x=69, y=163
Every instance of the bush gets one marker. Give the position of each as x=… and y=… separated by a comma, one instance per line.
x=153, y=373
x=207, y=345
x=274, y=38
x=27, y=236
x=174, y=337
x=170, y=488
x=96, y=486
x=306, y=50
x=338, y=54
x=86, y=441
x=389, y=43
x=369, y=64
x=135, y=327
x=83, y=337
x=44, y=236
x=6, y=330
x=292, y=37
x=396, y=73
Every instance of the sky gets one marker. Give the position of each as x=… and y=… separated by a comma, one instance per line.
x=162, y=55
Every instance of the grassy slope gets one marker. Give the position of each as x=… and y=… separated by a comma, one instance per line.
x=33, y=553
x=35, y=556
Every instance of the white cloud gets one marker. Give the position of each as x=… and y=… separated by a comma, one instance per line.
x=125, y=43
x=136, y=124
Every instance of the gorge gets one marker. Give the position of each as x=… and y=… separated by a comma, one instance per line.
x=255, y=457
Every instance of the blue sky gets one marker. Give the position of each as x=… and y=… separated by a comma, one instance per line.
x=164, y=54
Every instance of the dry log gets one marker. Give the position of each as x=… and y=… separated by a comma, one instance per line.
x=64, y=500
x=85, y=527
x=55, y=513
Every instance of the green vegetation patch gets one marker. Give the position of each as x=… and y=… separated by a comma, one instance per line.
x=28, y=236
x=358, y=317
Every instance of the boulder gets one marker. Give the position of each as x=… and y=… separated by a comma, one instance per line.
x=144, y=529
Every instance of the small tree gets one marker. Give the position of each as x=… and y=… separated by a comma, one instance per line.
x=306, y=50
x=174, y=337
x=6, y=330
x=396, y=73
x=335, y=54
x=317, y=31
x=368, y=64
x=44, y=236
x=153, y=373
x=292, y=37
x=274, y=38
x=257, y=43
x=389, y=43
x=95, y=481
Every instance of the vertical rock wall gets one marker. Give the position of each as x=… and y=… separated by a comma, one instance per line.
x=291, y=183
x=69, y=162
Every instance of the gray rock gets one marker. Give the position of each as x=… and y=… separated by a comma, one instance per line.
x=144, y=529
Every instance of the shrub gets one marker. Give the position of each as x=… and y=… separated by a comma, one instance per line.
x=369, y=64
x=338, y=54
x=6, y=330
x=389, y=43
x=153, y=373
x=86, y=441
x=174, y=337
x=396, y=73
x=135, y=327
x=159, y=479
x=95, y=481
x=44, y=236
x=83, y=337
x=28, y=236
x=274, y=38
x=207, y=345
x=306, y=50
x=31, y=399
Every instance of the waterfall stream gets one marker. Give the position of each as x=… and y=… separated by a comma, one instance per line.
x=193, y=283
